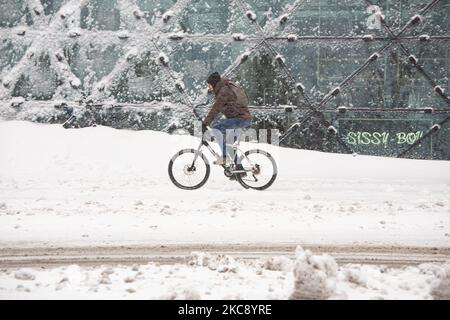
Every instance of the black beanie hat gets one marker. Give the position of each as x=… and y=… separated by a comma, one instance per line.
x=214, y=78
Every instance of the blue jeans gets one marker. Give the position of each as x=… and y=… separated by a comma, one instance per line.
x=230, y=124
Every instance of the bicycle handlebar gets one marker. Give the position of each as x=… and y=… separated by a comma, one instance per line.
x=195, y=110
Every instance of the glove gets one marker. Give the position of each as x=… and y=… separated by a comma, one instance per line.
x=204, y=128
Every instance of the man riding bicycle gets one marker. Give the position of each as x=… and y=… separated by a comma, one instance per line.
x=231, y=101
x=256, y=169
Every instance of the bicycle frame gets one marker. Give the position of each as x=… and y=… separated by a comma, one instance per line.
x=217, y=156
x=234, y=170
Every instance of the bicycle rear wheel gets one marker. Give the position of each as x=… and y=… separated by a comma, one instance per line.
x=261, y=170
x=189, y=169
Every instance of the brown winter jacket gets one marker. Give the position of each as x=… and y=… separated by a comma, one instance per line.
x=230, y=100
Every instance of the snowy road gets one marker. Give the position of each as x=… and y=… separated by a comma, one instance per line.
x=178, y=254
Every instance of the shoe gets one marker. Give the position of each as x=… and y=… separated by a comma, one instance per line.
x=223, y=161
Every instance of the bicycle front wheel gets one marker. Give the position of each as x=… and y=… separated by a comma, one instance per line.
x=189, y=169
x=260, y=170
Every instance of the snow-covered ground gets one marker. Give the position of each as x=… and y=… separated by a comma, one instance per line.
x=101, y=186
x=220, y=277
x=105, y=186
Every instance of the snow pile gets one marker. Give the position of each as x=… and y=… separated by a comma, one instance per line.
x=24, y=274
x=105, y=276
x=442, y=290
x=219, y=263
x=181, y=294
x=354, y=275
x=315, y=276
x=280, y=263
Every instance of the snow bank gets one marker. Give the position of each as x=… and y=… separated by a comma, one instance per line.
x=221, y=263
x=36, y=151
x=280, y=263
x=442, y=290
x=319, y=277
x=310, y=277
x=102, y=186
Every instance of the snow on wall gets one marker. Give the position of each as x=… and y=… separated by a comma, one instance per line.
x=141, y=53
x=72, y=39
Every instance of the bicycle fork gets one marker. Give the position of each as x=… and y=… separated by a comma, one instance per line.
x=203, y=143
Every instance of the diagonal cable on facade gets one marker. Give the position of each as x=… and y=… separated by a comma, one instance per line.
x=292, y=79
x=413, y=60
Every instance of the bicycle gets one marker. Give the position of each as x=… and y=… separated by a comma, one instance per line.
x=194, y=169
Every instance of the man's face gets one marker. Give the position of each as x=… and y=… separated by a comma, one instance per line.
x=210, y=88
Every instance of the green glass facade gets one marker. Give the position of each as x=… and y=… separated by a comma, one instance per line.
x=353, y=76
